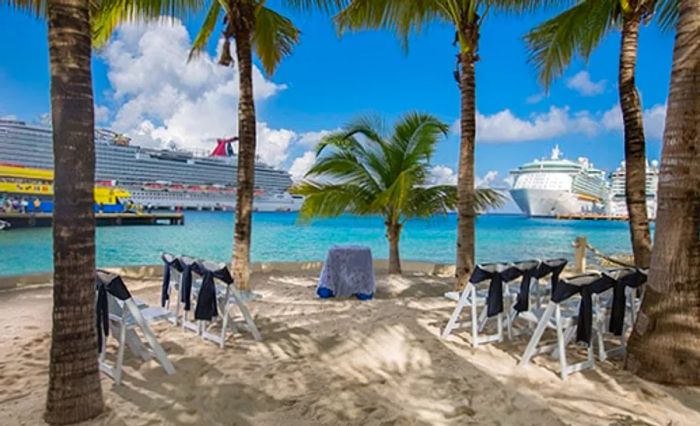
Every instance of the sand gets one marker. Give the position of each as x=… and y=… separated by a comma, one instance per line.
x=334, y=362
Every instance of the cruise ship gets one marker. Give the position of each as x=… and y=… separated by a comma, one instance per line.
x=556, y=186
x=617, y=205
x=161, y=179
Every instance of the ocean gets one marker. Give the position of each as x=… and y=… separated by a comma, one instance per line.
x=281, y=237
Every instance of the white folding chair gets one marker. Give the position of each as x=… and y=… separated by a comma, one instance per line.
x=530, y=309
x=125, y=317
x=627, y=283
x=474, y=298
x=561, y=316
x=228, y=300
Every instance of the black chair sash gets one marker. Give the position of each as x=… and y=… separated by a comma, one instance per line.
x=586, y=285
x=206, y=308
x=528, y=270
x=107, y=282
x=498, y=273
x=187, y=264
x=551, y=266
x=169, y=262
x=624, y=277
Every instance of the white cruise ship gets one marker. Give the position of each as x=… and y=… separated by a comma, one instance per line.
x=556, y=186
x=617, y=206
x=163, y=179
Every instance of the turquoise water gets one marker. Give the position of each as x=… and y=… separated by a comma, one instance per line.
x=279, y=237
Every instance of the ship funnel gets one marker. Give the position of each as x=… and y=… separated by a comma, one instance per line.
x=223, y=148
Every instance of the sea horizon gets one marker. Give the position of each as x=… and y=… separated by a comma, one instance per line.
x=282, y=237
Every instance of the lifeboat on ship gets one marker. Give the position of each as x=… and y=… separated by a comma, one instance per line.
x=152, y=186
x=176, y=188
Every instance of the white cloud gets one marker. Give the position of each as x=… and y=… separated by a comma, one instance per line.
x=101, y=114
x=273, y=144
x=444, y=175
x=441, y=175
x=487, y=180
x=310, y=139
x=162, y=99
x=504, y=126
x=534, y=99
x=301, y=165
x=582, y=83
x=654, y=120
x=8, y=117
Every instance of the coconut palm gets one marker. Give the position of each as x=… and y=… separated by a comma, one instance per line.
x=578, y=30
x=74, y=392
x=254, y=28
x=466, y=17
x=665, y=344
x=364, y=170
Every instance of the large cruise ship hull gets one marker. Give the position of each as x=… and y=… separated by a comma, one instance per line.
x=160, y=179
x=550, y=203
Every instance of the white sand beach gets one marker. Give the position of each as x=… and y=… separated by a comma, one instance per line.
x=334, y=362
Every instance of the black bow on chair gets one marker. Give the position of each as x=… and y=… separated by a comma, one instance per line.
x=624, y=277
x=187, y=264
x=107, y=282
x=528, y=269
x=206, y=300
x=551, y=266
x=169, y=261
x=498, y=273
x=586, y=285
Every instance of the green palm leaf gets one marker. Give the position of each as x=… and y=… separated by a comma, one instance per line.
x=273, y=38
x=577, y=31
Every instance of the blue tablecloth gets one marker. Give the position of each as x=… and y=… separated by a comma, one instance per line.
x=348, y=271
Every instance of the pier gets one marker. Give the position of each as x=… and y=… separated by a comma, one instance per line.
x=32, y=220
x=590, y=216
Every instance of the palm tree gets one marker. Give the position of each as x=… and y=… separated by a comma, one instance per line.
x=466, y=17
x=254, y=28
x=74, y=392
x=578, y=30
x=665, y=344
x=363, y=170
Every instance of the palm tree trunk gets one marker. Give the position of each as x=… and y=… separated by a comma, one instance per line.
x=393, y=233
x=465, y=184
x=74, y=392
x=246, y=150
x=635, y=151
x=665, y=344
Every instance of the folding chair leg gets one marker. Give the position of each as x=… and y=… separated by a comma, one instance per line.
x=252, y=328
x=475, y=322
x=537, y=335
x=157, y=349
x=120, y=355
x=454, y=318
x=560, y=342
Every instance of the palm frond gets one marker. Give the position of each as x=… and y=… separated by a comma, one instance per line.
x=426, y=201
x=667, y=14
x=205, y=30
x=328, y=200
x=325, y=6
x=553, y=44
x=33, y=7
x=399, y=16
x=273, y=38
x=383, y=172
x=109, y=14
x=488, y=198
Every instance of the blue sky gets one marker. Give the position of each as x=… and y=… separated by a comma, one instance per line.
x=328, y=80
